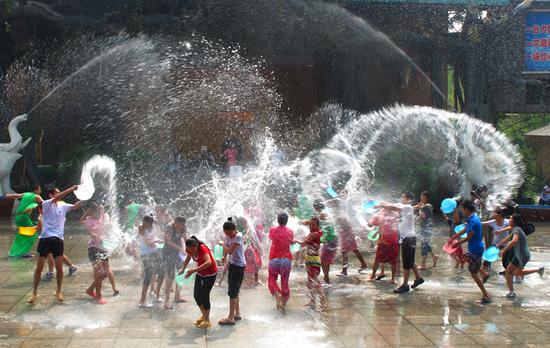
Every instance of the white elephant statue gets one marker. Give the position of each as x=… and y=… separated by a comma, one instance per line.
x=9, y=153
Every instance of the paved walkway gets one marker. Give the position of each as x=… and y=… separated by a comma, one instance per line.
x=439, y=313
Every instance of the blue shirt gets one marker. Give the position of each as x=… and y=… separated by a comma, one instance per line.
x=475, y=245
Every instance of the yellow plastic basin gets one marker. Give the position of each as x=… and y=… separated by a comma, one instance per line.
x=27, y=231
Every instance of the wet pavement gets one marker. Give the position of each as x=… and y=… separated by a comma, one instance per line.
x=441, y=312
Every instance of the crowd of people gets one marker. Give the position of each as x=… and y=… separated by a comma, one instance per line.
x=168, y=252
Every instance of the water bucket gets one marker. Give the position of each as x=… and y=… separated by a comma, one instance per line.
x=374, y=235
x=218, y=252
x=295, y=247
x=491, y=254
x=459, y=228
x=369, y=205
x=450, y=247
x=182, y=281
x=27, y=231
x=331, y=192
x=448, y=205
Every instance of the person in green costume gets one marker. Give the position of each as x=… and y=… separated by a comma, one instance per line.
x=22, y=245
x=329, y=239
x=132, y=212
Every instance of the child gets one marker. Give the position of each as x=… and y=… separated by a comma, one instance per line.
x=455, y=219
x=174, y=236
x=313, y=263
x=280, y=260
x=407, y=238
x=348, y=244
x=233, y=250
x=388, y=243
x=51, y=238
x=500, y=227
x=475, y=249
x=253, y=250
x=22, y=245
x=329, y=240
x=92, y=219
x=206, y=271
x=425, y=217
x=149, y=256
x=520, y=255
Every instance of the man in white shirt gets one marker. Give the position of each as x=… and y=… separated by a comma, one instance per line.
x=407, y=239
x=51, y=237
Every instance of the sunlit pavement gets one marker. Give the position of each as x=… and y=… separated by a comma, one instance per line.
x=441, y=312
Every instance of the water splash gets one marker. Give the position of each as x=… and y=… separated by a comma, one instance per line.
x=101, y=171
x=468, y=151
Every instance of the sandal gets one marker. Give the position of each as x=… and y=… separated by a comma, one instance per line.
x=484, y=301
x=237, y=318
x=199, y=321
x=116, y=293
x=181, y=300
x=226, y=322
x=380, y=277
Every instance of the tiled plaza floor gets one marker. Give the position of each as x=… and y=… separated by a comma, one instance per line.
x=441, y=312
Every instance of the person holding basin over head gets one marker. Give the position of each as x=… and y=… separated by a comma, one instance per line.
x=52, y=236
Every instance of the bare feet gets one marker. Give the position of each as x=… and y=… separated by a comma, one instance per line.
x=59, y=297
x=371, y=278
x=91, y=293
x=422, y=268
x=435, y=258
x=32, y=299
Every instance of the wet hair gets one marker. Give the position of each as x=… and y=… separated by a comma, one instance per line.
x=51, y=191
x=148, y=219
x=35, y=187
x=193, y=242
x=425, y=193
x=229, y=225
x=318, y=204
x=500, y=212
x=316, y=220
x=519, y=221
x=180, y=220
x=409, y=195
x=94, y=206
x=282, y=219
x=469, y=205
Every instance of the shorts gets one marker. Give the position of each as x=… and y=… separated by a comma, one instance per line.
x=474, y=262
x=235, y=277
x=408, y=249
x=328, y=252
x=97, y=254
x=425, y=244
x=348, y=242
x=151, y=266
x=387, y=253
x=170, y=263
x=313, y=265
x=50, y=245
x=519, y=262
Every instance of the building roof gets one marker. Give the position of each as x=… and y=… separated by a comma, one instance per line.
x=441, y=2
x=540, y=132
